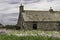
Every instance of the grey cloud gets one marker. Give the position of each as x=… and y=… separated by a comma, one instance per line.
x=13, y=19
x=13, y=2
x=50, y=0
x=30, y=1
x=11, y=14
x=9, y=1
x=10, y=18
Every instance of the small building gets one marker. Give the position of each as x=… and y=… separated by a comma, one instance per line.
x=41, y=20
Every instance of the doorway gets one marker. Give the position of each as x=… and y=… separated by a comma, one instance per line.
x=34, y=26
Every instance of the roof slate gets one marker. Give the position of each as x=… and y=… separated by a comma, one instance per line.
x=41, y=16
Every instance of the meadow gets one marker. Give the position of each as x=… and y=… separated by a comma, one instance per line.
x=29, y=35
x=14, y=37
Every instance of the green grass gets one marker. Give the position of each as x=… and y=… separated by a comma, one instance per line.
x=13, y=37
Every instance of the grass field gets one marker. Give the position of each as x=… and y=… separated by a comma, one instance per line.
x=13, y=37
x=29, y=35
x=34, y=33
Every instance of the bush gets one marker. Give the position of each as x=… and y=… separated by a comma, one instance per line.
x=12, y=27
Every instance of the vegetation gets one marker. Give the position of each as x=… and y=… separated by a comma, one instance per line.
x=12, y=27
x=13, y=37
x=13, y=32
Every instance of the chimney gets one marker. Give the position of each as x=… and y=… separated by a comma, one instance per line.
x=51, y=10
x=21, y=8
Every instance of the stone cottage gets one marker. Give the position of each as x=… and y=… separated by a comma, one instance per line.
x=41, y=20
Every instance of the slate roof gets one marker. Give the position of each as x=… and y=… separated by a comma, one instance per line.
x=30, y=15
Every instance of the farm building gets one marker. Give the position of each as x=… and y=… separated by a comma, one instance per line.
x=41, y=20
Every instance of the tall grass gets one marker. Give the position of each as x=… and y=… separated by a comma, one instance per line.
x=13, y=37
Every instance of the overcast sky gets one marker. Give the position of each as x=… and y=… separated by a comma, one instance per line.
x=9, y=8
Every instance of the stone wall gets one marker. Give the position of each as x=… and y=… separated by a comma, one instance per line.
x=47, y=25
x=41, y=25
x=28, y=25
